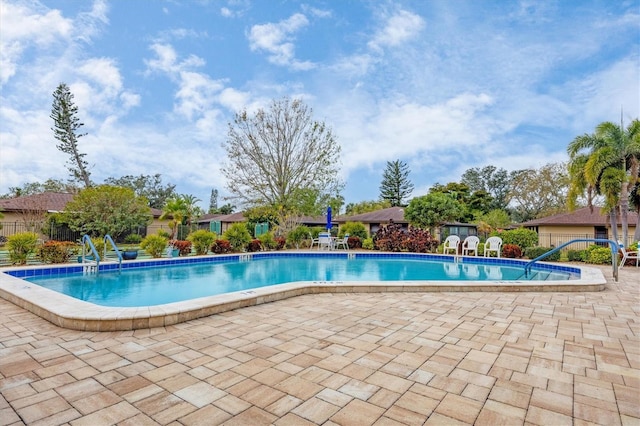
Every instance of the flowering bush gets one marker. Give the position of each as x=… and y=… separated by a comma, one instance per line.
x=393, y=238
x=254, y=245
x=512, y=251
x=56, y=251
x=221, y=247
x=354, y=242
x=183, y=246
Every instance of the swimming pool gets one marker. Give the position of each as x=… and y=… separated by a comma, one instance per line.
x=313, y=273
x=150, y=285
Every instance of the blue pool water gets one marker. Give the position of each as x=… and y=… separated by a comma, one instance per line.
x=148, y=286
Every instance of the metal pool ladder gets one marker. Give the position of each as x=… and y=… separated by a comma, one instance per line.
x=614, y=251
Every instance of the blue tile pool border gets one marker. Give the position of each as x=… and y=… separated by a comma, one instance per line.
x=49, y=270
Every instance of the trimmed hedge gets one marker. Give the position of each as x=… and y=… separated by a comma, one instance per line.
x=533, y=252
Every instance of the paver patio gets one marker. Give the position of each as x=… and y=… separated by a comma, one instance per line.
x=346, y=359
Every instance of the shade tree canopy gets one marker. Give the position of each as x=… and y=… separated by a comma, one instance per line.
x=148, y=186
x=106, y=209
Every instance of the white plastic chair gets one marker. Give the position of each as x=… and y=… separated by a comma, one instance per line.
x=313, y=241
x=342, y=242
x=493, y=245
x=470, y=244
x=626, y=255
x=324, y=241
x=451, y=243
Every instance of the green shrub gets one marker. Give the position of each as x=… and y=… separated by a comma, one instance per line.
x=268, y=241
x=238, y=236
x=523, y=238
x=298, y=235
x=354, y=229
x=533, y=252
x=155, y=245
x=576, y=255
x=56, y=251
x=367, y=244
x=21, y=246
x=202, y=240
x=132, y=239
x=98, y=243
x=598, y=255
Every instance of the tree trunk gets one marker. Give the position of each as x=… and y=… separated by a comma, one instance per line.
x=614, y=224
x=636, y=234
x=624, y=212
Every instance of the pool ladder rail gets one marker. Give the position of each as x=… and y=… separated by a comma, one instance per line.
x=92, y=265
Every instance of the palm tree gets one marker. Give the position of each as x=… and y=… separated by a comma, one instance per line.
x=176, y=210
x=606, y=163
x=192, y=208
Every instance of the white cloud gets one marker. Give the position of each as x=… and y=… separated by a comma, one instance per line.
x=399, y=28
x=23, y=27
x=276, y=39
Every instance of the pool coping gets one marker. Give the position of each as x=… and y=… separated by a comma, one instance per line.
x=68, y=312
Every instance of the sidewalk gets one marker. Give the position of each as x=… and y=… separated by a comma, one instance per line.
x=345, y=359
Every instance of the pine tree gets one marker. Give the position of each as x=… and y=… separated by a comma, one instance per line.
x=213, y=201
x=396, y=186
x=67, y=124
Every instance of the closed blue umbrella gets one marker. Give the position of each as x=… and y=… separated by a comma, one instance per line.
x=329, y=218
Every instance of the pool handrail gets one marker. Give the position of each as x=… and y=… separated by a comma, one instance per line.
x=614, y=251
x=107, y=238
x=86, y=240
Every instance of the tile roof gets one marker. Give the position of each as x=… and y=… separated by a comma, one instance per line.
x=583, y=216
x=49, y=201
x=378, y=216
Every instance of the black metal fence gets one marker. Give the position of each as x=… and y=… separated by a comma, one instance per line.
x=551, y=239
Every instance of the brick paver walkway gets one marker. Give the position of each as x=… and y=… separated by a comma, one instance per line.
x=345, y=359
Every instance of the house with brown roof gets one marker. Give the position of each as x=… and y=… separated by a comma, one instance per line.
x=581, y=223
x=28, y=213
x=375, y=220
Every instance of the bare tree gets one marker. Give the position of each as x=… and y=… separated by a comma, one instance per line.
x=276, y=154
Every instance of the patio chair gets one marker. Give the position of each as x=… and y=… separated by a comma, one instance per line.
x=451, y=243
x=493, y=245
x=470, y=244
x=313, y=241
x=627, y=255
x=325, y=241
x=342, y=242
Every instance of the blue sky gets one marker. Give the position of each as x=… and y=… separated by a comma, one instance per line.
x=442, y=85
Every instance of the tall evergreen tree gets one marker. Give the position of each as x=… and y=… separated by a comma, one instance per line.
x=213, y=201
x=67, y=125
x=396, y=186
